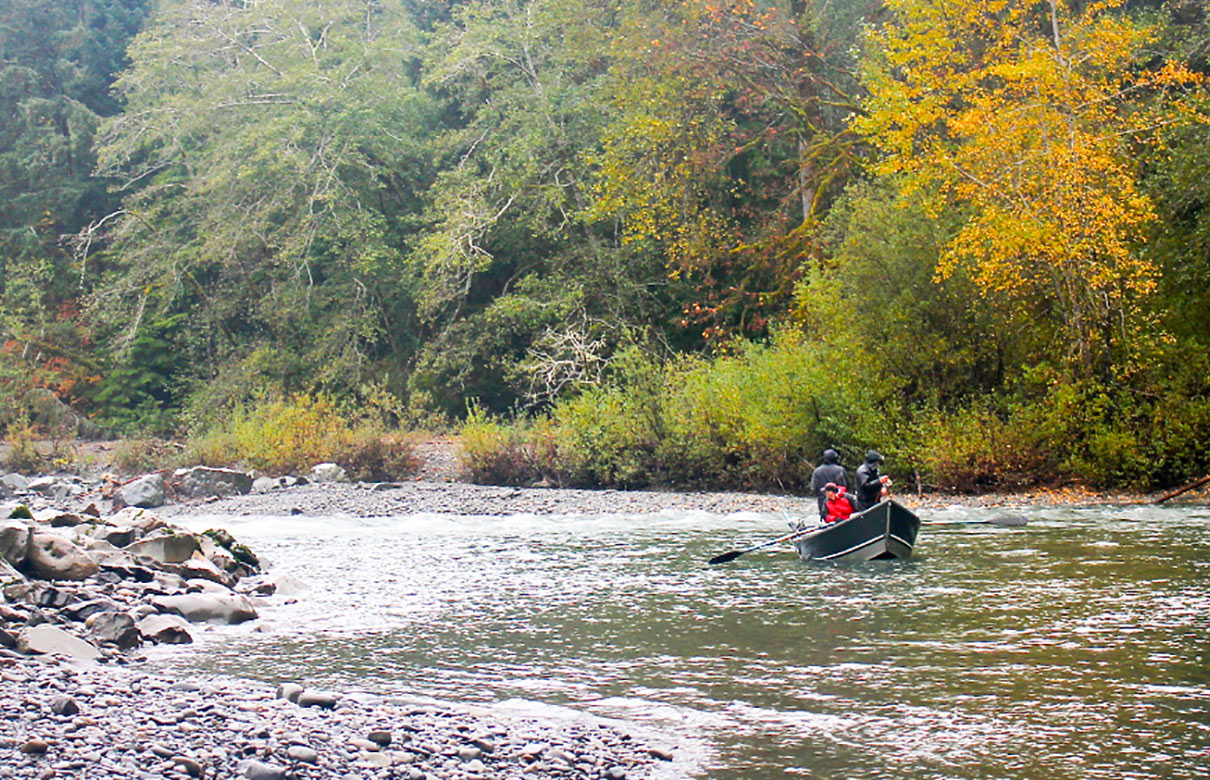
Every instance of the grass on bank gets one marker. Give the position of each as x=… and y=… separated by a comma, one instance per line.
x=752, y=420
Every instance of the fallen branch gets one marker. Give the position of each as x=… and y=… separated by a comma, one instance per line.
x=1194, y=484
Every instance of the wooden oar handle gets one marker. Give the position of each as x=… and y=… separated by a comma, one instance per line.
x=730, y=556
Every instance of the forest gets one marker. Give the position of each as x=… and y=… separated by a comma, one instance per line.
x=615, y=242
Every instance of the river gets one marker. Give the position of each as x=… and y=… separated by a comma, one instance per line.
x=1075, y=647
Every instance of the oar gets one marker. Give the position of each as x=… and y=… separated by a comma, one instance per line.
x=1011, y=520
x=730, y=556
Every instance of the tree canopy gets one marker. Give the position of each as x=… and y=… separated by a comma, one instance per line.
x=971, y=207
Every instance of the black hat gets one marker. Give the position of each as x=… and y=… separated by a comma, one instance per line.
x=830, y=456
x=831, y=486
x=873, y=457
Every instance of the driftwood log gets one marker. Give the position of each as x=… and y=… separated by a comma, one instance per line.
x=1192, y=485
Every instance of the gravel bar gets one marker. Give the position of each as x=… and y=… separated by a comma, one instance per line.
x=405, y=498
x=101, y=722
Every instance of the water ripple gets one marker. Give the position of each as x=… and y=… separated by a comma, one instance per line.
x=1072, y=648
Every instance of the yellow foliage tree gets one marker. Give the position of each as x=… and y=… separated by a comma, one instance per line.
x=1026, y=115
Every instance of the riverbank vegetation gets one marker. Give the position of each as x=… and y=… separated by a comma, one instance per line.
x=615, y=242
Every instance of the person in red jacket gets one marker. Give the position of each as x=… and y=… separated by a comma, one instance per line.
x=837, y=505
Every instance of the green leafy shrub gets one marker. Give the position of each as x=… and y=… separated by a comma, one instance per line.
x=1178, y=440
x=598, y=438
x=371, y=455
x=754, y=419
x=1115, y=437
x=758, y=418
x=139, y=456
x=21, y=453
x=281, y=436
x=609, y=435
x=1083, y=433
x=975, y=448
x=492, y=452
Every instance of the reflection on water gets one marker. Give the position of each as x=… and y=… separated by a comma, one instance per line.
x=1072, y=648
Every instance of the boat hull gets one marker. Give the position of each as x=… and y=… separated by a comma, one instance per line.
x=885, y=530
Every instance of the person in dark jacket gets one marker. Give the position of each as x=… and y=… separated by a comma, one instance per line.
x=869, y=485
x=828, y=471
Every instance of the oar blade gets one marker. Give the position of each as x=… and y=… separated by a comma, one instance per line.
x=1010, y=521
x=726, y=557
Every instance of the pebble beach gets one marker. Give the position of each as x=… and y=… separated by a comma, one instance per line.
x=103, y=721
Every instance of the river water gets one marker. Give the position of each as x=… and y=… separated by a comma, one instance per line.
x=1076, y=647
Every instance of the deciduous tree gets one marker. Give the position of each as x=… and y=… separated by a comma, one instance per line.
x=512, y=261
x=1025, y=115
x=269, y=156
x=728, y=144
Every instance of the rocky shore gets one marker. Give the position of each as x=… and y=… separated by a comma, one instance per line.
x=89, y=583
x=64, y=720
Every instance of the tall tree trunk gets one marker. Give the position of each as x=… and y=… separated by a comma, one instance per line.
x=806, y=181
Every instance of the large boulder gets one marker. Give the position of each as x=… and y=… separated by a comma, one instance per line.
x=107, y=556
x=227, y=608
x=267, y=484
x=57, y=518
x=52, y=557
x=48, y=640
x=139, y=519
x=204, y=481
x=40, y=594
x=200, y=568
x=127, y=571
x=328, y=472
x=257, y=585
x=169, y=582
x=114, y=628
x=56, y=487
x=198, y=585
x=15, y=536
x=115, y=535
x=245, y=559
x=146, y=492
x=83, y=610
x=216, y=554
x=14, y=483
x=165, y=630
x=165, y=548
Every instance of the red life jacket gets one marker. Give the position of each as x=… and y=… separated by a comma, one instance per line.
x=839, y=508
